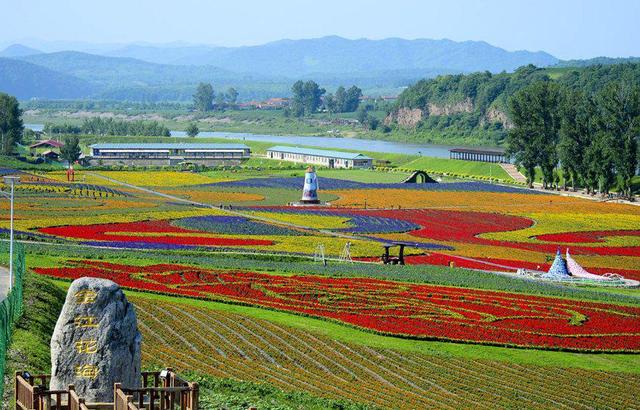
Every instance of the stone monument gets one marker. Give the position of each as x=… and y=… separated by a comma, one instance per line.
x=96, y=341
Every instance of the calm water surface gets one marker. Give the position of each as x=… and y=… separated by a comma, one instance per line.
x=429, y=150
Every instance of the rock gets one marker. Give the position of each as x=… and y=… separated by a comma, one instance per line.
x=96, y=341
x=465, y=105
x=405, y=117
x=495, y=115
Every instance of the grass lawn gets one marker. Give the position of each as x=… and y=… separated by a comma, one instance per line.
x=363, y=175
x=472, y=168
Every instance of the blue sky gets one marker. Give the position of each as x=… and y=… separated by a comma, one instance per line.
x=564, y=28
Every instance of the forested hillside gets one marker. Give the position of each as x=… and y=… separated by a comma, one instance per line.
x=474, y=106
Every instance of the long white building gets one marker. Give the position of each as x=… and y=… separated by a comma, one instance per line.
x=168, y=154
x=329, y=159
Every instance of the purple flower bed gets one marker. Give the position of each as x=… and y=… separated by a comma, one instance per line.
x=375, y=224
x=233, y=225
x=341, y=184
x=28, y=235
x=9, y=171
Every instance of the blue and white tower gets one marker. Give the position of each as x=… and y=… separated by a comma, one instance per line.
x=310, y=189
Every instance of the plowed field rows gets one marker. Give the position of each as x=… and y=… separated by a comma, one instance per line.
x=225, y=344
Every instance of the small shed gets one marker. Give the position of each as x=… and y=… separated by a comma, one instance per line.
x=51, y=155
x=40, y=147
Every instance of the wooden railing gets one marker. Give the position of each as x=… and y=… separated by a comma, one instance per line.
x=160, y=391
x=168, y=391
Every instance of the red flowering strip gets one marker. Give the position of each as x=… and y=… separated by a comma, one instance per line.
x=394, y=308
x=584, y=237
x=117, y=233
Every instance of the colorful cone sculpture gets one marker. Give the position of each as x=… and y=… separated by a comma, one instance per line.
x=310, y=189
x=558, y=268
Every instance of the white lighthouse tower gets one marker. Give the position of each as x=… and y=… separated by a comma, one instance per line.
x=310, y=189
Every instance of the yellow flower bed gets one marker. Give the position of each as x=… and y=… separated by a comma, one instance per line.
x=310, y=221
x=215, y=197
x=158, y=178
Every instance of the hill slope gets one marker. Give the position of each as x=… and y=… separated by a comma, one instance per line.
x=25, y=80
x=18, y=50
x=124, y=71
x=474, y=106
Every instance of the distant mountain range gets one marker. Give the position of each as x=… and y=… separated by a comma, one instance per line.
x=171, y=72
x=334, y=54
x=18, y=50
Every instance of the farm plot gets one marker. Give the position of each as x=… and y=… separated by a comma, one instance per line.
x=393, y=308
x=232, y=345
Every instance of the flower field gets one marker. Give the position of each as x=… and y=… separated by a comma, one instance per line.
x=239, y=346
x=230, y=285
x=393, y=308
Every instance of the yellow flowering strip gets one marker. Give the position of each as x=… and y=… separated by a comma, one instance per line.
x=159, y=178
x=310, y=221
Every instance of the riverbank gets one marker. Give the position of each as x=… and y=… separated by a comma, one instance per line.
x=276, y=123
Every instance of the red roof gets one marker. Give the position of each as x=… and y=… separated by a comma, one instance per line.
x=47, y=143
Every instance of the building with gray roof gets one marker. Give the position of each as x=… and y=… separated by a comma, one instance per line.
x=168, y=154
x=329, y=159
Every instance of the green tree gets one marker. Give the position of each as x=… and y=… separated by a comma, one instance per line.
x=232, y=96
x=192, y=130
x=297, y=99
x=221, y=102
x=203, y=98
x=11, y=126
x=312, y=97
x=363, y=116
x=341, y=98
x=534, y=137
x=352, y=100
x=306, y=97
x=70, y=151
x=619, y=125
x=331, y=104
x=576, y=134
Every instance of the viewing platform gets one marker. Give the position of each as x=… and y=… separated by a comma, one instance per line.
x=480, y=155
x=162, y=390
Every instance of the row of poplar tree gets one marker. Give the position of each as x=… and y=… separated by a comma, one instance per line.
x=591, y=137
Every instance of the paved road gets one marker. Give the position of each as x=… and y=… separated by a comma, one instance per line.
x=4, y=282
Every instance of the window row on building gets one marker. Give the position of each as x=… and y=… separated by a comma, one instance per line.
x=329, y=159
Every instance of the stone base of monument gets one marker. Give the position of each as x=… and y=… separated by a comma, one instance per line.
x=309, y=203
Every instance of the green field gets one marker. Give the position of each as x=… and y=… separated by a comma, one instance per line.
x=472, y=168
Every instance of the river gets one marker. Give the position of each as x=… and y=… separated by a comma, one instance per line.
x=392, y=147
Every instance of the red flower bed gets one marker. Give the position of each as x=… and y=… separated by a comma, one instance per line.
x=117, y=232
x=395, y=308
x=584, y=237
x=460, y=226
